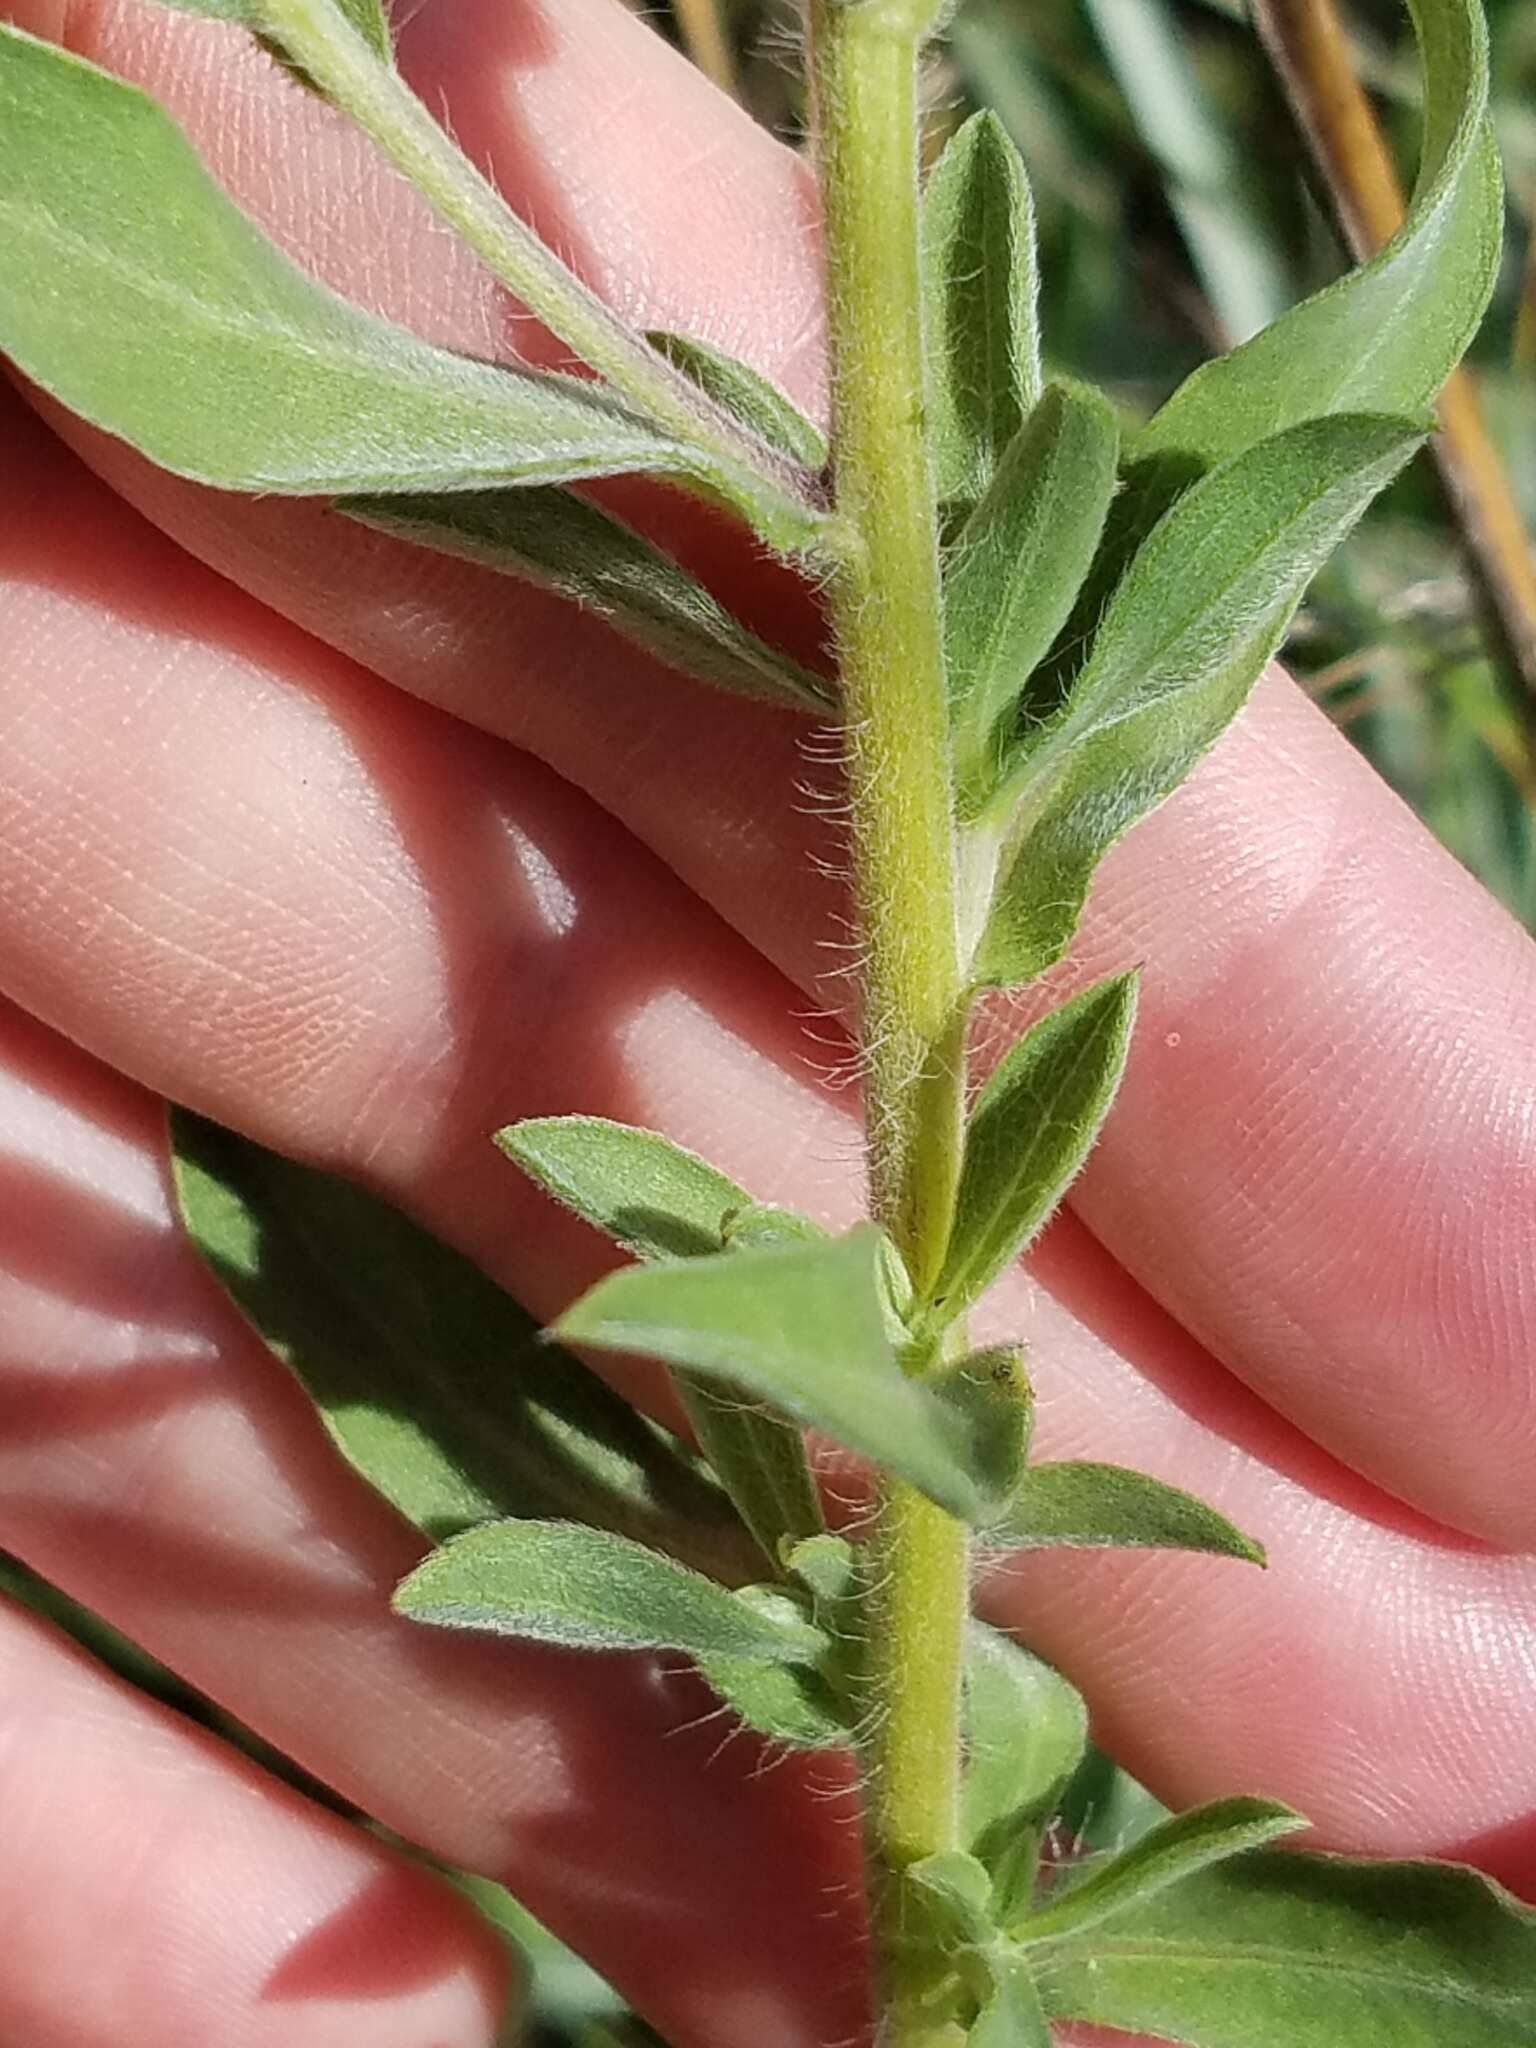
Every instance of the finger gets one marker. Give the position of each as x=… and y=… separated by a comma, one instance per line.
x=157, y=1887
x=159, y=1466
x=1321, y=1161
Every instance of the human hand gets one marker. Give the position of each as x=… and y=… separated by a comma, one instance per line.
x=241, y=870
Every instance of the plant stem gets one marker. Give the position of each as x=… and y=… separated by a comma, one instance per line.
x=1310, y=51
x=777, y=497
x=885, y=600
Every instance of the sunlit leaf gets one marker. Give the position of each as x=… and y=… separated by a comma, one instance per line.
x=366, y=16
x=979, y=304
x=1281, y=1950
x=806, y=1327
x=431, y=1381
x=1084, y=1506
x=136, y=293
x=1192, y=623
x=1030, y=1130
x=588, y=1589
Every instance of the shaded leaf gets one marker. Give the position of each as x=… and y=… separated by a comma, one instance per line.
x=826, y=1565
x=760, y=1459
x=979, y=283
x=805, y=1326
x=1197, y=615
x=748, y=395
x=137, y=294
x=1026, y=1732
x=1281, y=1950
x=588, y=1589
x=956, y=1896
x=431, y=1381
x=1104, y=1809
x=1032, y=1127
x=1016, y=567
x=1167, y=1854
x=561, y=543
x=1084, y=1506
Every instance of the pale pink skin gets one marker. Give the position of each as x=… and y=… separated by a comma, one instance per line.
x=368, y=924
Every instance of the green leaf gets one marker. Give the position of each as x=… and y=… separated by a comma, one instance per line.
x=750, y=397
x=1016, y=567
x=654, y=1198
x=1026, y=1732
x=137, y=294
x=431, y=1381
x=1012, y=2015
x=561, y=543
x=661, y=1202
x=1282, y=1950
x=789, y=1703
x=1386, y=337
x=1104, y=1808
x=1193, y=621
x=979, y=308
x=1032, y=1127
x=1167, y=1854
x=366, y=16
x=1082, y=1506
x=804, y=1326
x=588, y=1589
x=956, y=1896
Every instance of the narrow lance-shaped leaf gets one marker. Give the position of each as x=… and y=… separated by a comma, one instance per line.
x=1200, y=611
x=661, y=1201
x=1026, y=1730
x=431, y=1381
x=748, y=395
x=979, y=282
x=1167, y=1854
x=806, y=1327
x=551, y=538
x=1029, y=1132
x=1017, y=566
x=1085, y=1506
x=1282, y=1950
x=136, y=293
x=588, y=1589
x=1384, y=338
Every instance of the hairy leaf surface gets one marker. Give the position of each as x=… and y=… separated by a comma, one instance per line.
x=742, y=391
x=1081, y=1505
x=979, y=287
x=1202, y=608
x=1030, y=1130
x=1167, y=1854
x=561, y=543
x=1026, y=1730
x=806, y=1327
x=1016, y=567
x=136, y=293
x=1280, y=1950
x=588, y=1589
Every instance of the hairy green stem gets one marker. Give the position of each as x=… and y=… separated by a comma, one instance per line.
x=777, y=497
x=886, y=601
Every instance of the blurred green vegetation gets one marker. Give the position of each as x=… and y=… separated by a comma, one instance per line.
x=1177, y=213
